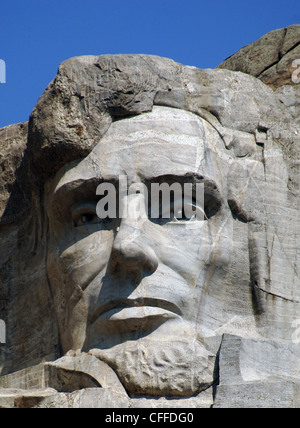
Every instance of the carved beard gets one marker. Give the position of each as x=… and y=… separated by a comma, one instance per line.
x=161, y=368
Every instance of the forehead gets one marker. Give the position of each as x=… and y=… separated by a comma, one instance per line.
x=152, y=144
x=166, y=141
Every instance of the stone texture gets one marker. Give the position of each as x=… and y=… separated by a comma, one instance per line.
x=255, y=373
x=13, y=142
x=258, y=395
x=138, y=311
x=80, y=382
x=20, y=399
x=270, y=58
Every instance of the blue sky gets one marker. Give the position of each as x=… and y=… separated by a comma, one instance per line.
x=37, y=35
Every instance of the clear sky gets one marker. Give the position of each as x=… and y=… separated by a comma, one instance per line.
x=37, y=35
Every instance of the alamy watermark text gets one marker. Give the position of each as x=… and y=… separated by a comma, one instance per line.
x=165, y=200
x=2, y=71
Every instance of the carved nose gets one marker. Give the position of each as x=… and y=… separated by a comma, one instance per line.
x=132, y=254
x=132, y=251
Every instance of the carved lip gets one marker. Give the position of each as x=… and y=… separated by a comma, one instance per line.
x=144, y=306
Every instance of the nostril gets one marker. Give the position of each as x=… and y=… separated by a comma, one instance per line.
x=114, y=265
x=137, y=277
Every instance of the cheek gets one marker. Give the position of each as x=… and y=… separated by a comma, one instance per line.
x=190, y=250
x=79, y=263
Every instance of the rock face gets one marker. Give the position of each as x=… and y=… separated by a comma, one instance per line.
x=146, y=310
x=270, y=58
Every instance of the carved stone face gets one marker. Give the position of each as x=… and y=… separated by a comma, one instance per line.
x=138, y=284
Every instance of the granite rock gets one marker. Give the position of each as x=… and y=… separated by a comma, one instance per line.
x=270, y=58
x=137, y=310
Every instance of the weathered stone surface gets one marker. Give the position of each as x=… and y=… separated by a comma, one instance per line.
x=256, y=373
x=136, y=310
x=270, y=58
x=13, y=140
x=258, y=395
x=85, y=371
x=244, y=360
x=19, y=398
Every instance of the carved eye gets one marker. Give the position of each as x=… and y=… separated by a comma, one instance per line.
x=84, y=217
x=84, y=214
x=190, y=211
x=182, y=211
x=178, y=211
x=190, y=207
